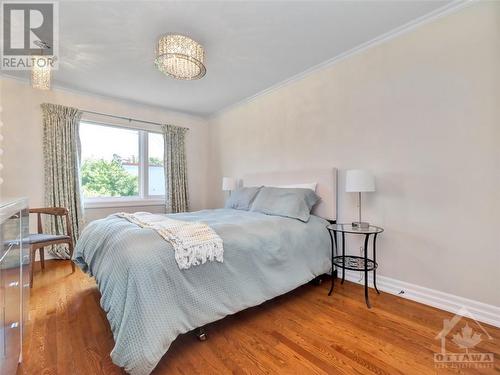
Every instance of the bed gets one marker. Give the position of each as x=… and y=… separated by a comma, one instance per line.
x=149, y=301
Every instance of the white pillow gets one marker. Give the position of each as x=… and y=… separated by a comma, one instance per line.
x=310, y=185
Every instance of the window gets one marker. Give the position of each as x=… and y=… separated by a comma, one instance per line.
x=120, y=164
x=156, y=173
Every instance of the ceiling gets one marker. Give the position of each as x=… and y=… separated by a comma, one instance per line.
x=107, y=47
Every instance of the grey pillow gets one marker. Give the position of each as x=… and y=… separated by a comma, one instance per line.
x=241, y=199
x=288, y=202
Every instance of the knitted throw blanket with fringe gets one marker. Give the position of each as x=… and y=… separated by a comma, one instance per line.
x=194, y=243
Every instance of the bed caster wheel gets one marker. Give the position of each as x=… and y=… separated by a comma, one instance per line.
x=200, y=334
x=202, y=337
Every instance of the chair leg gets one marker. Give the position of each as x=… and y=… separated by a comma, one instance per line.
x=42, y=257
x=32, y=261
x=70, y=245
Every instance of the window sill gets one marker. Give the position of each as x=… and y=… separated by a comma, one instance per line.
x=139, y=202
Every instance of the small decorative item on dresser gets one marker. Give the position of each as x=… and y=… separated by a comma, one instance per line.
x=358, y=181
x=351, y=262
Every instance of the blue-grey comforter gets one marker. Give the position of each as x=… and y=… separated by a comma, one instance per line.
x=149, y=301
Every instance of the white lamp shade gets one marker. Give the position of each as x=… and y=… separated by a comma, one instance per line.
x=228, y=183
x=359, y=180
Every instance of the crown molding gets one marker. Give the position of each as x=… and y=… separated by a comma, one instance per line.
x=441, y=12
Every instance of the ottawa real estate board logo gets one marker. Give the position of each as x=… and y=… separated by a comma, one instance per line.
x=29, y=30
x=459, y=340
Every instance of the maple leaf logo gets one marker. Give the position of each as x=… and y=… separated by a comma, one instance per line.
x=467, y=339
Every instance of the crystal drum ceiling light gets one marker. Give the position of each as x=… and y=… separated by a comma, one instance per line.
x=40, y=73
x=180, y=57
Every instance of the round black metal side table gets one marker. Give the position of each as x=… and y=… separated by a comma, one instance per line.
x=351, y=262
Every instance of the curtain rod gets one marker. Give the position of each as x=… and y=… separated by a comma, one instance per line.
x=124, y=118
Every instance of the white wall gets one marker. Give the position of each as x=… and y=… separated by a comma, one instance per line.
x=422, y=112
x=22, y=131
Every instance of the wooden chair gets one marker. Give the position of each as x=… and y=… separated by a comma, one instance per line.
x=40, y=240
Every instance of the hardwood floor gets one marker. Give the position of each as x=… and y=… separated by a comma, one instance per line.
x=303, y=332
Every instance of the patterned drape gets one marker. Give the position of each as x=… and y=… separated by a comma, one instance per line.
x=176, y=184
x=61, y=150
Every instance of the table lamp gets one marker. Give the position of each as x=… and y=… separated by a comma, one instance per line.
x=359, y=181
x=228, y=184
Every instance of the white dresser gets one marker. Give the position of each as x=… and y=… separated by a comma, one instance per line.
x=14, y=281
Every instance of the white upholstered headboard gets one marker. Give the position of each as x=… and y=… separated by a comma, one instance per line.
x=326, y=179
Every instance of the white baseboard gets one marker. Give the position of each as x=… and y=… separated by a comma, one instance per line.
x=449, y=302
